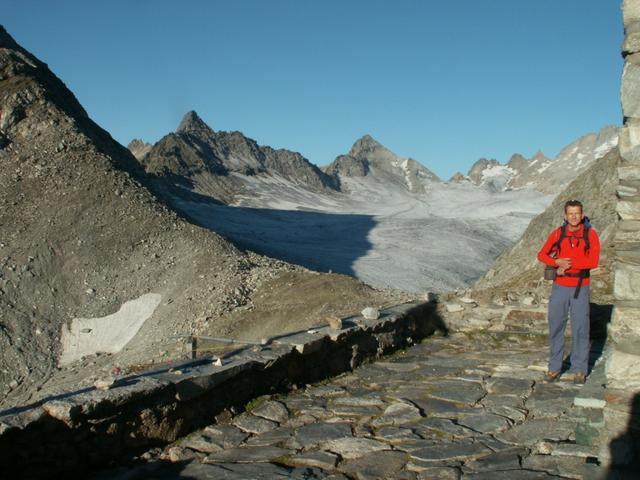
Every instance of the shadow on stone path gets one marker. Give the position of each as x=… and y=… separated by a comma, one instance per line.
x=464, y=406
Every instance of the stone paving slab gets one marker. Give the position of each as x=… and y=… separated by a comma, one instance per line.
x=441, y=414
x=537, y=430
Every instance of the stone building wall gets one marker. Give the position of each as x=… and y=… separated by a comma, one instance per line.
x=622, y=411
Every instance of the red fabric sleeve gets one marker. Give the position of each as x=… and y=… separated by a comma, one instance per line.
x=543, y=254
x=591, y=259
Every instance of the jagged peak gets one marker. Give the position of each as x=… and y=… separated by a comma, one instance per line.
x=517, y=161
x=191, y=122
x=539, y=156
x=364, y=143
x=137, y=142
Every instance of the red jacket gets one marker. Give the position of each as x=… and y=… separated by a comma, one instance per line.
x=573, y=247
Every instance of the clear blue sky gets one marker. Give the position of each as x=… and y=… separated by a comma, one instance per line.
x=444, y=82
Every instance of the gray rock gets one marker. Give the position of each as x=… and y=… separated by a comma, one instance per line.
x=433, y=407
x=180, y=454
x=439, y=428
x=623, y=365
x=457, y=391
x=272, y=410
x=280, y=437
x=485, y=422
x=508, y=475
x=326, y=391
x=399, y=366
x=315, y=433
x=441, y=473
x=515, y=414
x=370, y=313
x=354, y=447
x=438, y=371
x=509, y=386
x=391, y=434
x=397, y=414
x=298, y=403
x=537, y=430
x=462, y=451
x=630, y=92
x=494, y=402
x=253, y=424
x=551, y=400
x=247, y=455
x=454, y=307
x=378, y=465
x=235, y=471
x=626, y=284
x=503, y=460
x=354, y=411
x=316, y=459
x=570, y=467
x=201, y=443
x=453, y=360
x=358, y=401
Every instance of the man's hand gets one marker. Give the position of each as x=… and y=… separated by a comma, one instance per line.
x=560, y=271
x=563, y=263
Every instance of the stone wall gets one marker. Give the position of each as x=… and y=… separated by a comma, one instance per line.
x=81, y=431
x=621, y=442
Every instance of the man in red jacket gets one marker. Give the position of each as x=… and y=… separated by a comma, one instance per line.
x=573, y=249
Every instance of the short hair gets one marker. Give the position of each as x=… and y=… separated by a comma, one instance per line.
x=573, y=203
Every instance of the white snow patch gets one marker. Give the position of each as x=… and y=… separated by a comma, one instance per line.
x=87, y=336
x=497, y=171
x=602, y=150
x=544, y=166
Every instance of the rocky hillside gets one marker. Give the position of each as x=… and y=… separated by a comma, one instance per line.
x=368, y=158
x=224, y=165
x=539, y=172
x=517, y=269
x=89, y=258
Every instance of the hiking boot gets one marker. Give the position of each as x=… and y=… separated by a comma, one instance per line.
x=551, y=377
x=579, y=378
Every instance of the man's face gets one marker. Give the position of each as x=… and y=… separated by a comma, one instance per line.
x=574, y=216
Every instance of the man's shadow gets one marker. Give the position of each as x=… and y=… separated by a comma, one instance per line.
x=625, y=448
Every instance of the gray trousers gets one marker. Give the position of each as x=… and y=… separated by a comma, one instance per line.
x=562, y=303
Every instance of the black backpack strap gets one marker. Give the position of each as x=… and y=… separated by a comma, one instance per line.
x=563, y=234
x=587, y=227
x=583, y=274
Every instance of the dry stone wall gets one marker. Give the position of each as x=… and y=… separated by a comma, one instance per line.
x=621, y=444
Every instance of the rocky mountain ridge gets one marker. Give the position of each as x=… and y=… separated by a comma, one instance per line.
x=219, y=163
x=230, y=166
x=540, y=172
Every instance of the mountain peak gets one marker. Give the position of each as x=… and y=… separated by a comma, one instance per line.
x=539, y=156
x=191, y=122
x=364, y=144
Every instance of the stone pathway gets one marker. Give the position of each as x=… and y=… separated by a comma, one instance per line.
x=464, y=406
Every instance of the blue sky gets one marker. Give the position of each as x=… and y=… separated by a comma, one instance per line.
x=444, y=82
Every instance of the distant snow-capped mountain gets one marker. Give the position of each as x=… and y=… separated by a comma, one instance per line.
x=368, y=158
x=540, y=172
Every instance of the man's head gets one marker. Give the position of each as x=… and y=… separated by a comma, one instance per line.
x=573, y=212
